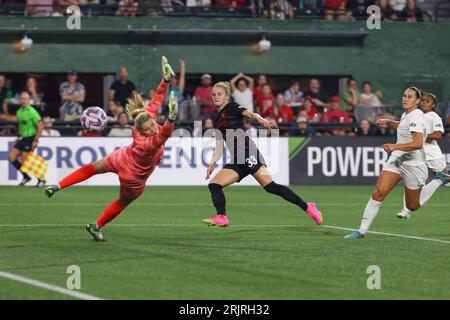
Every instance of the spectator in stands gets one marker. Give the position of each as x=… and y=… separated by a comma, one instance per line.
x=249, y=129
x=280, y=112
x=364, y=129
x=119, y=92
x=368, y=98
x=60, y=6
x=411, y=13
x=3, y=95
x=397, y=5
x=207, y=124
x=281, y=10
x=293, y=95
x=265, y=101
x=334, y=114
x=150, y=7
x=262, y=80
x=243, y=91
x=349, y=97
x=36, y=95
x=229, y=3
x=319, y=96
x=127, y=8
x=386, y=11
x=40, y=7
x=303, y=128
x=72, y=95
x=48, y=128
x=203, y=98
x=122, y=129
x=311, y=112
x=384, y=131
x=358, y=9
x=335, y=8
x=198, y=3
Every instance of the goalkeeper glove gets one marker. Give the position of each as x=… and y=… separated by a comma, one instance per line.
x=166, y=69
x=173, y=107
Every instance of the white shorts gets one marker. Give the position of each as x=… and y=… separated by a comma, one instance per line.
x=437, y=165
x=414, y=177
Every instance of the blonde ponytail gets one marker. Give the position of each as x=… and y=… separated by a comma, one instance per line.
x=135, y=109
x=135, y=105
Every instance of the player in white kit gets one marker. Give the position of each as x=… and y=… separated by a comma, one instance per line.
x=407, y=161
x=435, y=158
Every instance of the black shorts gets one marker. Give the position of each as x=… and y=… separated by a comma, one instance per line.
x=25, y=144
x=251, y=165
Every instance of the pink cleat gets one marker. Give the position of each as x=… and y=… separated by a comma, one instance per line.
x=312, y=211
x=219, y=220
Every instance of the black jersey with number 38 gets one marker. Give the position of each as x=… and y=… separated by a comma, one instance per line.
x=242, y=148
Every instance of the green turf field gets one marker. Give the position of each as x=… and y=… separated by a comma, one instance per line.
x=159, y=249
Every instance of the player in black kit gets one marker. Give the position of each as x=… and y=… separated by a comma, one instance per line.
x=245, y=158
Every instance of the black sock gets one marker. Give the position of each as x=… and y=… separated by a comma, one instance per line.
x=218, y=197
x=286, y=194
x=16, y=163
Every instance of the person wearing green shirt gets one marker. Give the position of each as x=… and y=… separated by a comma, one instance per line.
x=349, y=97
x=30, y=130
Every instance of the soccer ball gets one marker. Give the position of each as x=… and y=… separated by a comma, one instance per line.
x=94, y=119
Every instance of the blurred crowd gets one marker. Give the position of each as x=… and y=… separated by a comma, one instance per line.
x=343, y=10
x=307, y=110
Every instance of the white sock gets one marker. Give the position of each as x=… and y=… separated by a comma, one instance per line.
x=426, y=193
x=369, y=215
x=428, y=190
x=405, y=209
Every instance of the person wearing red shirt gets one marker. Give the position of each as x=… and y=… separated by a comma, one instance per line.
x=335, y=8
x=334, y=113
x=229, y=3
x=257, y=90
x=135, y=163
x=281, y=112
x=311, y=111
x=202, y=97
x=265, y=100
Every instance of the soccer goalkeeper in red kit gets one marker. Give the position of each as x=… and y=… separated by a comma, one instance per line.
x=135, y=163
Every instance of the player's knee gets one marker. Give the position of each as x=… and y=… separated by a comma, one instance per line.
x=125, y=201
x=271, y=187
x=215, y=187
x=379, y=195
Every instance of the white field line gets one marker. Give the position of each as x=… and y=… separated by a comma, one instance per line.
x=46, y=286
x=246, y=204
x=43, y=225
x=391, y=234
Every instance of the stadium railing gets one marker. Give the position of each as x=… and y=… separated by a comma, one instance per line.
x=70, y=129
x=442, y=10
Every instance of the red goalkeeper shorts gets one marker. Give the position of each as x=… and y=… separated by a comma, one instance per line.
x=132, y=183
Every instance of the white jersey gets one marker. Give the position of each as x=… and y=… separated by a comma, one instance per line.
x=433, y=123
x=411, y=122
